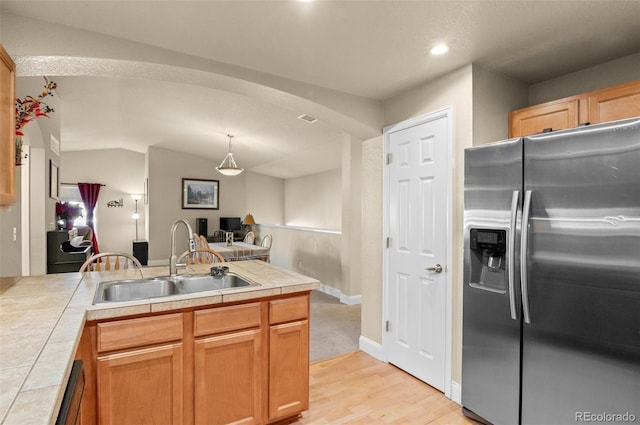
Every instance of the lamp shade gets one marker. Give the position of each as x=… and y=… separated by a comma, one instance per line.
x=248, y=219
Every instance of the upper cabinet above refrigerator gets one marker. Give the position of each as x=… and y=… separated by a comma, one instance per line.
x=610, y=104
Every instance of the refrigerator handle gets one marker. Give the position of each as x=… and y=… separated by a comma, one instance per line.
x=515, y=198
x=523, y=256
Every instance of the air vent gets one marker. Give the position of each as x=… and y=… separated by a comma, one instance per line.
x=307, y=118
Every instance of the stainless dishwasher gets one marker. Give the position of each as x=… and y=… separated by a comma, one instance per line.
x=70, y=407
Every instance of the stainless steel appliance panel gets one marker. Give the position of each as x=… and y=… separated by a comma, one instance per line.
x=491, y=336
x=581, y=349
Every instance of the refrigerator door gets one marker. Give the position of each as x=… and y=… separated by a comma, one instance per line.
x=491, y=318
x=581, y=349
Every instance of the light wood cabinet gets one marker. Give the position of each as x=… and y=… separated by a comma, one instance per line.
x=142, y=382
x=610, y=104
x=7, y=129
x=288, y=357
x=142, y=386
x=228, y=366
x=245, y=363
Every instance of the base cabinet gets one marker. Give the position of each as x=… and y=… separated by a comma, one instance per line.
x=142, y=386
x=228, y=382
x=245, y=363
x=288, y=369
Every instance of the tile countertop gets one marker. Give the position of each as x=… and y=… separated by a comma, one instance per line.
x=42, y=318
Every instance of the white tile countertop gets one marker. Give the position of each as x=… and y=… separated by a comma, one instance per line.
x=42, y=318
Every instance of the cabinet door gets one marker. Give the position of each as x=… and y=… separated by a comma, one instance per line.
x=536, y=119
x=141, y=386
x=615, y=104
x=288, y=369
x=7, y=128
x=228, y=379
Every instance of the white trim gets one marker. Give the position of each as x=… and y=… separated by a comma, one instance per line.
x=372, y=348
x=412, y=122
x=456, y=392
x=152, y=263
x=350, y=299
x=336, y=293
x=304, y=229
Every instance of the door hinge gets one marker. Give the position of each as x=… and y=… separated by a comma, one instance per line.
x=387, y=326
x=389, y=158
x=388, y=242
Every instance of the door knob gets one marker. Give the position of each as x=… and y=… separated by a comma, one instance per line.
x=436, y=269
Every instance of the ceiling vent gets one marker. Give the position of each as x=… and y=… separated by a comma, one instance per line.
x=307, y=118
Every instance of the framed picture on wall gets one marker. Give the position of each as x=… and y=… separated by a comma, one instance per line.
x=200, y=194
x=54, y=185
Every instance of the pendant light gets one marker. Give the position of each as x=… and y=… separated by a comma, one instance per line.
x=228, y=165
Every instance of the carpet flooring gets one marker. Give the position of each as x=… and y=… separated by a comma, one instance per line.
x=335, y=327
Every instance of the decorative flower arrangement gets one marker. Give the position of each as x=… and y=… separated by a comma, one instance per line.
x=68, y=212
x=30, y=108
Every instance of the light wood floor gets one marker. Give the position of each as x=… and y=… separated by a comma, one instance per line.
x=355, y=388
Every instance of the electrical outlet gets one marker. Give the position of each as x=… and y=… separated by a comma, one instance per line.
x=15, y=234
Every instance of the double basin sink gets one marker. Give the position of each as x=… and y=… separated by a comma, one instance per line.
x=137, y=289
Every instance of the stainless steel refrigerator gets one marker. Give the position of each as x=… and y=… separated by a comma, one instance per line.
x=551, y=322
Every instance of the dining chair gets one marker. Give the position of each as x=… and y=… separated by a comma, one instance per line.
x=250, y=237
x=108, y=261
x=219, y=236
x=266, y=243
x=201, y=256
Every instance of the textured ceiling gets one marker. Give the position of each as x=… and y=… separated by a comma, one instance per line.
x=372, y=49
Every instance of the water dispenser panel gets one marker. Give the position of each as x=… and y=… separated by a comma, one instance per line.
x=488, y=249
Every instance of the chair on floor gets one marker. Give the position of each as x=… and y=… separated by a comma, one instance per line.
x=108, y=261
x=250, y=237
x=201, y=256
x=219, y=236
x=266, y=243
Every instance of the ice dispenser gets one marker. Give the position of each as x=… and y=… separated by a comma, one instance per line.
x=488, y=263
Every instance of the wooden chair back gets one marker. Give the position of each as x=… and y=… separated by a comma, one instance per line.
x=201, y=256
x=250, y=237
x=108, y=261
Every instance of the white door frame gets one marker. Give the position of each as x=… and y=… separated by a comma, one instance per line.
x=448, y=113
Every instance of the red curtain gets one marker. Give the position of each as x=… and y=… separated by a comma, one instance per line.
x=89, y=193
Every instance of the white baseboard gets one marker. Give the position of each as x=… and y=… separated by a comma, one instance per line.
x=152, y=263
x=456, y=392
x=336, y=293
x=350, y=300
x=370, y=347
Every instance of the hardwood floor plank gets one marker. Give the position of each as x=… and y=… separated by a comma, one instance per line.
x=357, y=389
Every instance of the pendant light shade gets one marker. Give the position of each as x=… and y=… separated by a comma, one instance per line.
x=228, y=166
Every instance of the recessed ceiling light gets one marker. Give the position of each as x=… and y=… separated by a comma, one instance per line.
x=439, y=49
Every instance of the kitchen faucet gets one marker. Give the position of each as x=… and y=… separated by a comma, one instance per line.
x=173, y=259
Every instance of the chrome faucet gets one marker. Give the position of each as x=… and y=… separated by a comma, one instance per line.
x=173, y=259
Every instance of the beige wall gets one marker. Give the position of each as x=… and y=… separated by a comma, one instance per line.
x=314, y=201
x=494, y=96
x=122, y=173
x=310, y=252
x=166, y=169
x=594, y=78
x=372, y=248
x=265, y=198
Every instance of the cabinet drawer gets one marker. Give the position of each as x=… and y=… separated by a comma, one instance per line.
x=224, y=319
x=289, y=309
x=139, y=332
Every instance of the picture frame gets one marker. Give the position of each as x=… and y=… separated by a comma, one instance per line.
x=54, y=180
x=200, y=194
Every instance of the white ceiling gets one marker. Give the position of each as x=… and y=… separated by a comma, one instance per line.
x=372, y=49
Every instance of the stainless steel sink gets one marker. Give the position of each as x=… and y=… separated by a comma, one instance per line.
x=200, y=283
x=134, y=289
x=138, y=289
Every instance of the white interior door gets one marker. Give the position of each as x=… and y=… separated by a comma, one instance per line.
x=417, y=250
